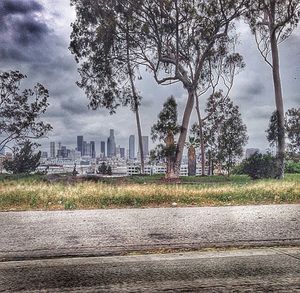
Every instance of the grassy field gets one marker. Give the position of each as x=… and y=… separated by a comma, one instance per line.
x=36, y=193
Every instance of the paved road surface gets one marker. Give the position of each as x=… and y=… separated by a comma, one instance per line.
x=27, y=235
x=255, y=270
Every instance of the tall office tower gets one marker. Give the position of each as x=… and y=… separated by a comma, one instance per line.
x=111, y=144
x=93, y=149
x=102, y=148
x=59, y=153
x=52, y=149
x=83, y=152
x=122, y=153
x=118, y=151
x=145, y=140
x=80, y=144
x=131, y=147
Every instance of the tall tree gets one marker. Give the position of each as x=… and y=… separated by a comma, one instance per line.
x=102, y=41
x=272, y=22
x=233, y=137
x=293, y=133
x=164, y=131
x=224, y=132
x=292, y=130
x=20, y=111
x=222, y=69
x=174, y=40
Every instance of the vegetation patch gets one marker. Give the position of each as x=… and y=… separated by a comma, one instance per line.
x=34, y=193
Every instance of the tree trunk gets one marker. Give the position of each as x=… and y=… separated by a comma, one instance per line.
x=201, y=137
x=191, y=161
x=135, y=100
x=140, y=139
x=171, y=173
x=184, y=129
x=279, y=104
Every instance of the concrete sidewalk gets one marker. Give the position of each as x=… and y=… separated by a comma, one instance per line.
x=27, y=235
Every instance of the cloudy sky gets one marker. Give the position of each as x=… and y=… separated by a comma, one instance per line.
x=34, y=38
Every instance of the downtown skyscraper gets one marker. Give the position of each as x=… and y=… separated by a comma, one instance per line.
x=111, y=144
x=131, y=147
x=80, y=144
x=52, y=150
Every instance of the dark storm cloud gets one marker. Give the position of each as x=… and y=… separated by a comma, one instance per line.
x=75, y=106
x=22, y=28
x=8, y=7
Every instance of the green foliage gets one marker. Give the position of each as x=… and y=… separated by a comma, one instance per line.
x=102, y=169
x=109, y=170
x=292, y=167
x=24, y=161
x=225, y=133
x=292, y=130
x=260, y=166
x=102, y=41
x=20, y=111
x=292, y=126
x=164, y=130
x=74, y=172
x=167, y=121
x=273, y=129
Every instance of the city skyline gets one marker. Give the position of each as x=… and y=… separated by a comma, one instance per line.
x=98, y=148
x=42, y=54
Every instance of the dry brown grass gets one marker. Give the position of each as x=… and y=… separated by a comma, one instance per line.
x=24, y=195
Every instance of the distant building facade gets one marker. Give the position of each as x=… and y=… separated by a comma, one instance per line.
x=131, y=147
x=52, y=150
x=111, y=144
x=145, y=140
x=250, y=152
x=102, y=148
x=93, y=149
x=80, y=144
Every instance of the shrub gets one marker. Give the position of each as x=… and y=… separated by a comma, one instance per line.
x=292, y=167
x=24, y=161
x=260, y=166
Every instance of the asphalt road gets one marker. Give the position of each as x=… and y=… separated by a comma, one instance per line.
x=29, y=235
x=255, y=270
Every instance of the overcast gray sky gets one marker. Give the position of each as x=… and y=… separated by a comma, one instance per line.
x=34, y=38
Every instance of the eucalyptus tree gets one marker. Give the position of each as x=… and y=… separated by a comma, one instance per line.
x=21, y=110
x=103, y=40
x=164, y=130
x=272, y=22
x=233, y=137
x=223, y=66
x=177, y=39
x=292, y=130
x=225, y=133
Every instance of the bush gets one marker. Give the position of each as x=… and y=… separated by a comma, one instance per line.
x=260, y=166
x=24, y=161
x=292, y=167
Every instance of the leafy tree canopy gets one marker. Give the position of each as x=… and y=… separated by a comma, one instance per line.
x=20, y=111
